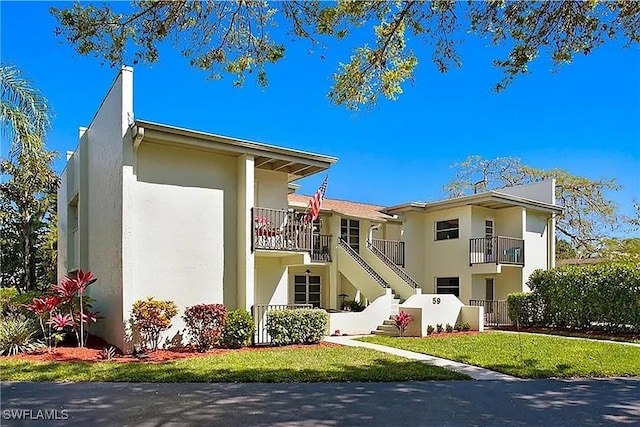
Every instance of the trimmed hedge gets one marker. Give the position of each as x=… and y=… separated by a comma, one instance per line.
x=522, y=308
x=297, y=326
x=598, y=297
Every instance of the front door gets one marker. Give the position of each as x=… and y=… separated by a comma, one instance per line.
x=307, y=290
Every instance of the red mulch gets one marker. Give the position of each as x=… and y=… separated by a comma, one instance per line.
x=95, y=345
x=571, y=332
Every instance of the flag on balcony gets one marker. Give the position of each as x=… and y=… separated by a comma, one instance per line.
x=316, y=201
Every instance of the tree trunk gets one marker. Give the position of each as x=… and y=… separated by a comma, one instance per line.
x=26, y=255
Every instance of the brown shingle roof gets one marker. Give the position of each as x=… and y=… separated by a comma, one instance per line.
x=360, y=210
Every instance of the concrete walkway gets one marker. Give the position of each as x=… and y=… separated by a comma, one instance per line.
x=475, y=372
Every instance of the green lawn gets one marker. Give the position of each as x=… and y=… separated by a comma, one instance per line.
x=317, y=364
x=527, y=356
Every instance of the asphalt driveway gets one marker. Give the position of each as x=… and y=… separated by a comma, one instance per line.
x=536, y=402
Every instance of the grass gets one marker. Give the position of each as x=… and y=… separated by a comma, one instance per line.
x=319, y=364
x=526, y=355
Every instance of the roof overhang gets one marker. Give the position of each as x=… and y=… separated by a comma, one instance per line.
x=489, y=200
x=295, y=163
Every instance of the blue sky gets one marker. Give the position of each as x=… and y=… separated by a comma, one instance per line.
x=584, y=118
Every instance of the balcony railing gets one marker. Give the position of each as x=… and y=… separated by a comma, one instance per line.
x=392, y=249
x=281, y=230
x=498, y=250
x=321, y=248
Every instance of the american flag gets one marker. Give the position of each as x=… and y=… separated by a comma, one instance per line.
x=316, y=201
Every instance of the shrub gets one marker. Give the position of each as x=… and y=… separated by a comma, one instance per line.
x=430, y=329
x=204, y=324
x=521, y=308
x=297, y=326
x=603, y=296
x=150, y=317
x=466, y=326
x=353, y=305
x=7, y=296
x=458, y=326
x=448, y=328
x=439, y=327
x=401, y=321
x=239, y=329
x=17, y=334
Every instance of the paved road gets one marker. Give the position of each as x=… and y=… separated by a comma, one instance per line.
x=540, y=402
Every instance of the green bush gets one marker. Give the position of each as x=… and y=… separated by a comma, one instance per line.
x=522, y=308
x=17, y=334
x=16, y=302
x=239, y=329
x=599, y=297
x=297, y=326
x=353, y=305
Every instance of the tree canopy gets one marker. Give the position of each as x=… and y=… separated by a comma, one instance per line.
x=587, y=209
x=241, y=37
x=28, y=232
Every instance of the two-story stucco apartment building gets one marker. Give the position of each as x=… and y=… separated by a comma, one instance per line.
x=155, y=210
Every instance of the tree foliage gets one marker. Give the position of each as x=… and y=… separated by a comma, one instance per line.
x=28, y=190
x=587, y=209
x=241, y=38
x=24, y=112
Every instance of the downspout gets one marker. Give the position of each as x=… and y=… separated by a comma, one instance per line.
x=371, y=230
x=551, y=227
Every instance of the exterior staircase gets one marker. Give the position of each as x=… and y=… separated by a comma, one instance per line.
x=387, y=328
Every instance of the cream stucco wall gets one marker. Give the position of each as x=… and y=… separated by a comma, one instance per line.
x=415, y=238
x=271, y=281
x=271, y=189
x=185, y=226
x=447, y=258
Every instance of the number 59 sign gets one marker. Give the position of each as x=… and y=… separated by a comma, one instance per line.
x=436, y=300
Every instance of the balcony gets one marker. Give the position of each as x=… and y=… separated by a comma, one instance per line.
x=280, y=230
x=496, y=250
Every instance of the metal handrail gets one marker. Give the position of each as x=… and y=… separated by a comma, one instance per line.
x=392, y=249
x=356, y=256
x=389, y=263
x=496, y=249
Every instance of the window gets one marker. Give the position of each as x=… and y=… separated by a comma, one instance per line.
x=307, y=290
x=447, y=229
x=448, y=285
x=350, y=232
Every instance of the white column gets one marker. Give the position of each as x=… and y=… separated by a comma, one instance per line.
x=246, y=274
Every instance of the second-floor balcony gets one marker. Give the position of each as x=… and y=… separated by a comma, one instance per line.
x=496, y=250
x=288, y=230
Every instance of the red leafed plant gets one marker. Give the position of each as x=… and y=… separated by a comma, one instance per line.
x=401, y=321
x=204, y=324
x=68, y=297
x=60, y=321
x=149, y=318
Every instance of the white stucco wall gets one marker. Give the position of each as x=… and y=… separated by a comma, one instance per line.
x=543, y=191
x=100, y=203
x=536, y=242
x=185, y=226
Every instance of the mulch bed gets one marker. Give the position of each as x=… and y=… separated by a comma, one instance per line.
x=603, y=335
x=95, y=346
